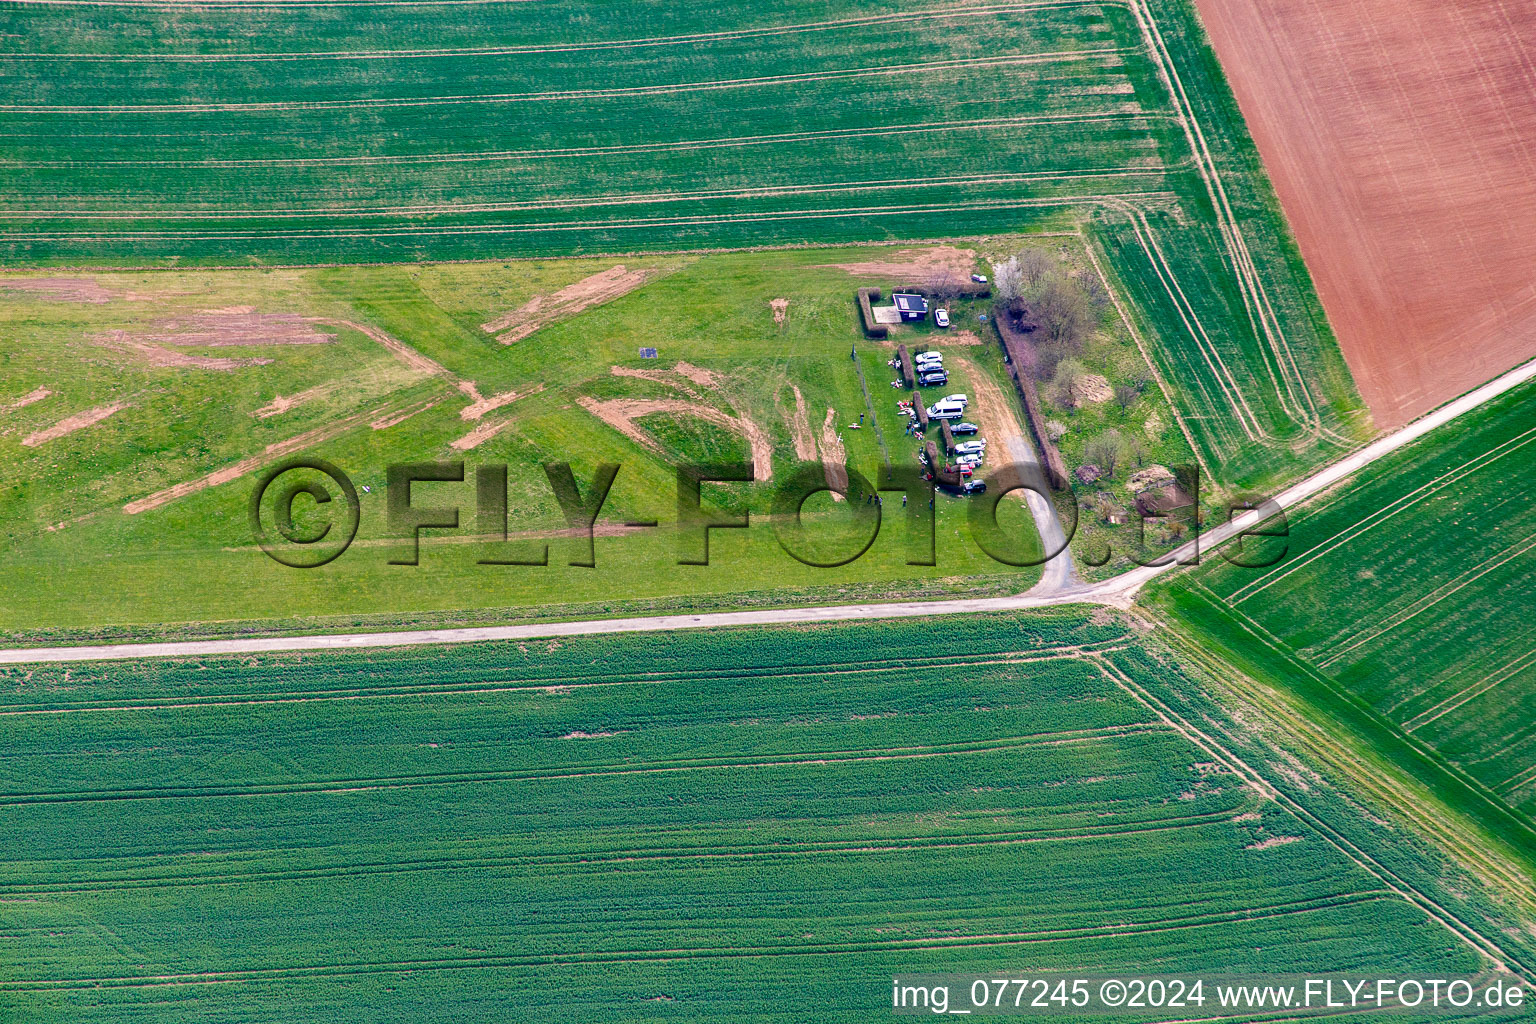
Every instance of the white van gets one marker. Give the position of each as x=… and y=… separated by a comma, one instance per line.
x=946, y=409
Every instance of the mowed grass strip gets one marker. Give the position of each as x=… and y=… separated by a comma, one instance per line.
x=703, y=892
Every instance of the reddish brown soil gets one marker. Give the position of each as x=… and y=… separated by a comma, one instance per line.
x=1401, y=137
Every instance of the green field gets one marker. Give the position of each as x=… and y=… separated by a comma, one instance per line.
x=758, y=825
x=97, y=538
x=533, y=129
x=1401, y=612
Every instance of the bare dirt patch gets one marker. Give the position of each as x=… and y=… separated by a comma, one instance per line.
x=961, y=338
x=700, y=376
x=159, y=355
x=780, y=309
x=239, y=326
x=395, y=418
x=936, y=265
x=282, y=403
x=542, y=310
x=1398, y=135
x=35, y=395
x=59, y=289
x=1272, y=842
x=1092, y=388
x=621, y=414
x=486, y=431
x=479, y=405
x=1152, y=476
x=79, y=421
x=800, y=429
x=834, y=457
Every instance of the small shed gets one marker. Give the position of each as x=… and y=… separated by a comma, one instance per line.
x=911, y=306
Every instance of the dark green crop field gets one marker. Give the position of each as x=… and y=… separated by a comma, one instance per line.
x=155, y=135
x=1403, y=609
x=761, y=825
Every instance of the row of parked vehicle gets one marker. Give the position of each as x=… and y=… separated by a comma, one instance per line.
x=929, y=367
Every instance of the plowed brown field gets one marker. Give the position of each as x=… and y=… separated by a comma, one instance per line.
x=1401, y=137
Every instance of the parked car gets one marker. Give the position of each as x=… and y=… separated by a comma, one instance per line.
x=968, y=447
x=933, y=378
x=941, y=318
x=926, y=358
x=974, y=487
x=945, y=410
x=961, y=429
x=962, y=399
x=979, y=278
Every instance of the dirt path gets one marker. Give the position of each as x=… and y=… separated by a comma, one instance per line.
x=79, y=421
x=994, y=412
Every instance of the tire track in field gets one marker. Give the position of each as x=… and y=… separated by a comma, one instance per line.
x=601, y=859
x=1428, y=601
x=1241, y=916
x=1468, y=933
x=1495, y=678
x=1381, y=515
x=587, y=152
x=795, y=759
x=682, y=39
x=359, y=693
x=570, y=95
x=598, y=201
x=700, y=220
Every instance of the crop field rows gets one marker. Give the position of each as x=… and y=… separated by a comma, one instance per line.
x=1405, y=596
x=335, y=138
x=375, y=832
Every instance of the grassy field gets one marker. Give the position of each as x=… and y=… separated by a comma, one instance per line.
x=97, y=534
x=707, y=826
x=1399, y=612
x=532, y=129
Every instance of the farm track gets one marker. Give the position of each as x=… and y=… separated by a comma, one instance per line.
x=798, y=759
x=631, y=956
x=602, y=859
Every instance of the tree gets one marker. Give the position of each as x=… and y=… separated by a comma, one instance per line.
x=1126, y=395
x=1034, y=268
x=1007, y=282
x=1104, y=451
x=1062, y=310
